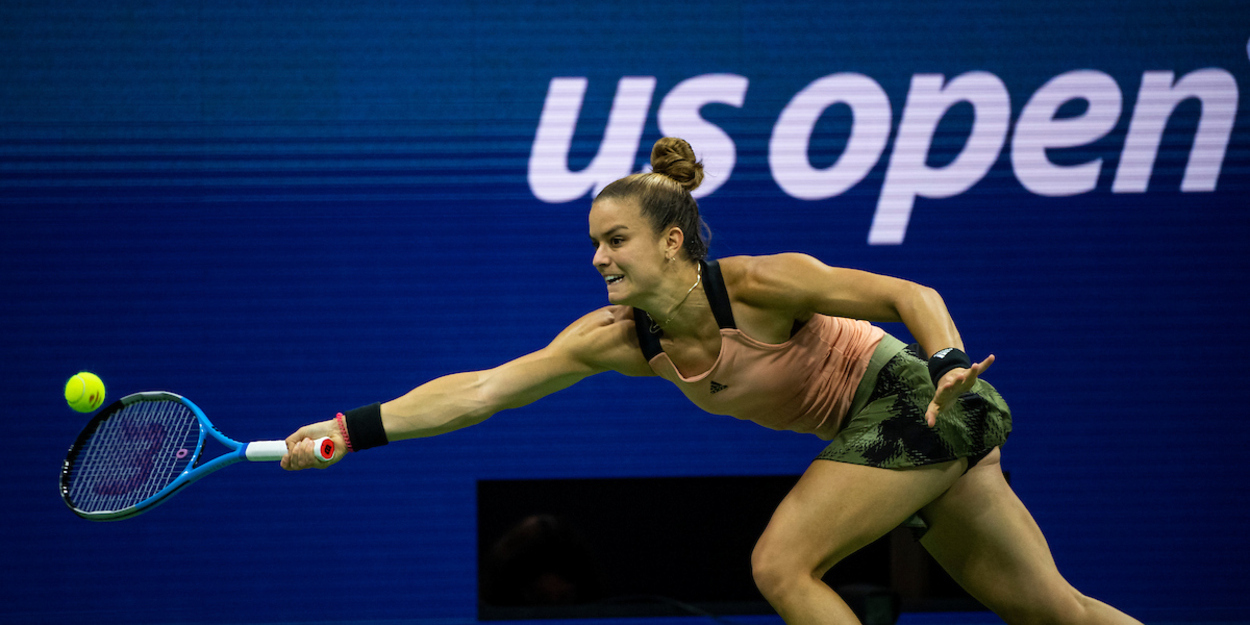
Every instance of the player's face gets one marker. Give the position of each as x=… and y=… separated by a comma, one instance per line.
x=628, y=253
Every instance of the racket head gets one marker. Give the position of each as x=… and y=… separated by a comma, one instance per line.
x=131, y=454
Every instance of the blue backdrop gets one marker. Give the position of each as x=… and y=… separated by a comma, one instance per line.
x=282, y=210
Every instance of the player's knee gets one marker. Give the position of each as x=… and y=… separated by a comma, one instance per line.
x=766, y=570
x=776, y=572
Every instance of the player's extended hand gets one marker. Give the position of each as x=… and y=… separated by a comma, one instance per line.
x=299, y=446
x=956, y=382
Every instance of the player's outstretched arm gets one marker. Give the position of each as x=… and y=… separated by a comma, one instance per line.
x=597, y=342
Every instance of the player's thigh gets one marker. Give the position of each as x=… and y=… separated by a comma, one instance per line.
x=836, y=508
x=982, y=534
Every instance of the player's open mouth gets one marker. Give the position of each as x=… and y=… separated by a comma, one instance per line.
x=613, y=279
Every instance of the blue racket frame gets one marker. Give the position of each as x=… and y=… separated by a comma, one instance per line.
x=237, y=452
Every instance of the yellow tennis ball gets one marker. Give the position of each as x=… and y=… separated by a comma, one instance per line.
x=84, y=392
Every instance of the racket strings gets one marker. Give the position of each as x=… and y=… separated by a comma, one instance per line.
x=133, y=454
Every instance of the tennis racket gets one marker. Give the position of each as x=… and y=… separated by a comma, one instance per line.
x=144, y=448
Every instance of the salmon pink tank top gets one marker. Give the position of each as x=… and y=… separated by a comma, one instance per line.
x=805, y=384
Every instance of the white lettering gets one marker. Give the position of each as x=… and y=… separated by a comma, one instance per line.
x=871, y=119
x=679, y=117
x=549, y=176
x=908, y=177
x=1157, y=99
x=1037, y=130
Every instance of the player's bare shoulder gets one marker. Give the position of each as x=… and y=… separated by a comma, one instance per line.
x=767, y=293
x=769, y=281
x=606, y=339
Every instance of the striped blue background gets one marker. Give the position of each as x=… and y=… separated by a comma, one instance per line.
x=282, y=210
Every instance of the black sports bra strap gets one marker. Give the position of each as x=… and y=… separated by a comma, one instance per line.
x=649, y=342
x=717, y=295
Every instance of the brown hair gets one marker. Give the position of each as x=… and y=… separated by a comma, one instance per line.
x=663, y=194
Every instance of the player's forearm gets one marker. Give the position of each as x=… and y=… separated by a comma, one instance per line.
x=924, y=313
x=439, y=406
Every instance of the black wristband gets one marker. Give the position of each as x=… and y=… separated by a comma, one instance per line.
x=364, y=427
x=945, y=360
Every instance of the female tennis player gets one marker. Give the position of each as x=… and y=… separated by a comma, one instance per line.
x=784, y=341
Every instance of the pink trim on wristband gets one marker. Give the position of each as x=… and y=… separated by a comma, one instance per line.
x=343, y=428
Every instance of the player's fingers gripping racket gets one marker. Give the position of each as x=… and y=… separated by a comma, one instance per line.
x=143, y=448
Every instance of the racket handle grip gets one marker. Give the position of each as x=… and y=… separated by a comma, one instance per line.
x=323, y=450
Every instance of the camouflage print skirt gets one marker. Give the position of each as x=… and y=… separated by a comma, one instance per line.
x=885, y=426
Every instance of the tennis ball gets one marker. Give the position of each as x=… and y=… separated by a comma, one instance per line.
x=84, y=392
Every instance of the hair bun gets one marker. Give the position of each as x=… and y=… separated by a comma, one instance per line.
x=675, y=158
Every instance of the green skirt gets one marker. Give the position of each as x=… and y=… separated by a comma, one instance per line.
x=885, y=426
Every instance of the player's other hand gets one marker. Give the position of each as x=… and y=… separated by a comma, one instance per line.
x=954, y=383
x=300, y=451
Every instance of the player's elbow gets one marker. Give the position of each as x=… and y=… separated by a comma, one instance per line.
x=483, y=399
x=494, y=391
x=916, y=297
x=929, y=294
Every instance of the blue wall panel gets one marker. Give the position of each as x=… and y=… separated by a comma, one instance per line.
x=283, y=211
